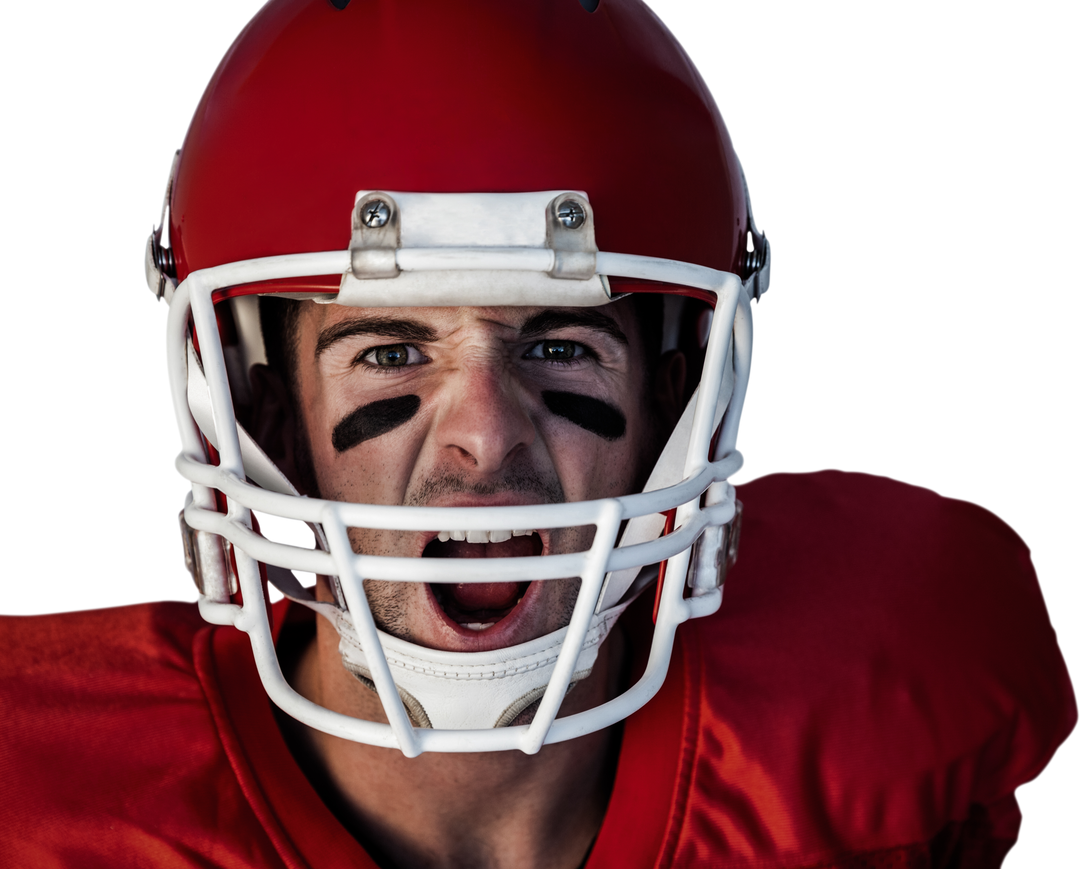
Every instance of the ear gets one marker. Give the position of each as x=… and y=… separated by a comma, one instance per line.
x=272, y=422
x=668, y=385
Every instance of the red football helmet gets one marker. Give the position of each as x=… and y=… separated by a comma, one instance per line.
x=418, y=152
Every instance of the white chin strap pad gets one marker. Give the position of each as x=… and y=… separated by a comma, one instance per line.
x=457, y=690
x=473, y=690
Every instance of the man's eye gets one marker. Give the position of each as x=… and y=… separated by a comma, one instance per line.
x=556, y=351
x=394, y=356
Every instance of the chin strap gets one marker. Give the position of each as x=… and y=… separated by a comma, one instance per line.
x=457, y=690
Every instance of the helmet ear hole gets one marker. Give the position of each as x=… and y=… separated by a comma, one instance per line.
x=669, y=387
x=271, y=420
x=587, y=5
x=694, y=325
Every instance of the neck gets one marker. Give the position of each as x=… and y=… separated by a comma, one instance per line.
x=446, y=810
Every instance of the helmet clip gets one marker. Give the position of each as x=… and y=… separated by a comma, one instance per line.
x=376, y=236
x=715, y=552
x=571, y=234
x=207, y=561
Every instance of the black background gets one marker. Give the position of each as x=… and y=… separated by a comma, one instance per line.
x=905, y=170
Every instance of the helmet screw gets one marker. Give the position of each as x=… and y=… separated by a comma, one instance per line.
x=571, y=214
x=375, y=213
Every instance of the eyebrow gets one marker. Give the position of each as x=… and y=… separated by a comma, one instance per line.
x=549, y=321
x=382, y=327
x=401, y=329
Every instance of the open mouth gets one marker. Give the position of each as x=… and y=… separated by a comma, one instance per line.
x=478, y=606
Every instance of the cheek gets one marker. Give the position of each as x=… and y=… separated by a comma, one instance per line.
x=368, y=455
x=601, y=448
x=588, y=466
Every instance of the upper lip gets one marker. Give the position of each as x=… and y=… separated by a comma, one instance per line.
x=502, y=499
x=466, y=499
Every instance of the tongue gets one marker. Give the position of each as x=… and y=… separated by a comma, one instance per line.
x=475, y=596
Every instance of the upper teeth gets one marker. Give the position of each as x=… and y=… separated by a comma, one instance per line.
x=484, y=536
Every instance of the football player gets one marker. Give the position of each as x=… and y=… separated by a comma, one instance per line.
x=465, y=290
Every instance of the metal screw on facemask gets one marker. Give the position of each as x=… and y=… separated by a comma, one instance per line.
x=571, y=214
x=375, y=213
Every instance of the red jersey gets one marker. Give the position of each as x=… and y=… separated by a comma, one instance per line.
x=880, y=679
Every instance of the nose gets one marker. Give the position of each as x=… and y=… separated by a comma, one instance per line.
x=484, y=422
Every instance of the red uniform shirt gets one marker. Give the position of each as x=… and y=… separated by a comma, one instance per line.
x=880, y=679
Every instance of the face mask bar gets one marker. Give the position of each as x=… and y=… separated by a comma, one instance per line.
x=730, y=330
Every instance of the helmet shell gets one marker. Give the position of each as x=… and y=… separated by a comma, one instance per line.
x=313, y=103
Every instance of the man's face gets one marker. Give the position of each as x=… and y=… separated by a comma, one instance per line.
x=473, y=407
